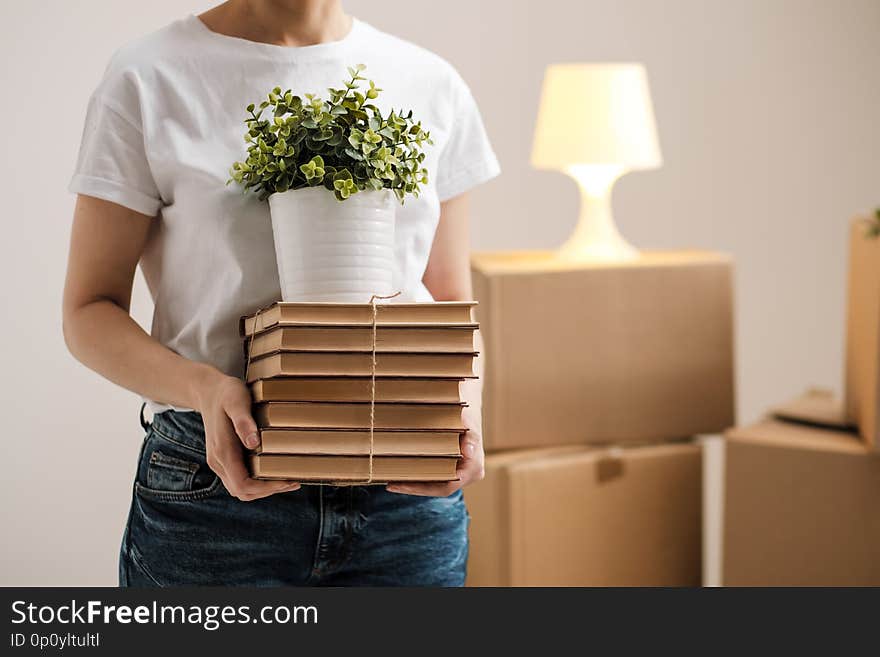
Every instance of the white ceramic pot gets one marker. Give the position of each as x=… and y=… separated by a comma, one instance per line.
x=329, y=250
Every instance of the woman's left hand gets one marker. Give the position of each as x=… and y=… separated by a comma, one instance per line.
x=470, y=468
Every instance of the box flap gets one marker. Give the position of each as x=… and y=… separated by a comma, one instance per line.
x=818, y=407
x=792, y=435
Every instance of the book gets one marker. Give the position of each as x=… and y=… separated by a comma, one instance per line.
x=412, y=339
x=313, y=363
x=353, y=468
x=340, y=415
x=292, y=313
x=356, y=389
x=357, y=442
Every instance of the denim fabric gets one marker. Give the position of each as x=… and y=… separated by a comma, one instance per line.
x=185, y=529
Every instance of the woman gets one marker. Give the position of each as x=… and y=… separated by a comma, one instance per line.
x=162, y=129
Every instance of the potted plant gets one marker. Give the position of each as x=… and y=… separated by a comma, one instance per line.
x=330, y=170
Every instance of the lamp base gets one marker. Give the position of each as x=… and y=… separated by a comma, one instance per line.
x=596, y=237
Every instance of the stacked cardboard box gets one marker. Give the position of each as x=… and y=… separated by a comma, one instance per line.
x=587, y=516
x=797, y=497
x=605, y=353
x=796, y=492
x=356, y=393
x=597, y=375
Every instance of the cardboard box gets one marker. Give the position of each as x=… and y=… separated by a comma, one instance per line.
x=863, y=333
x=584, y=516
x=623, y=352
x=800, y=507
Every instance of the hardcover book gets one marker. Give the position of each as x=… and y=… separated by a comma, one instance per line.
x=357, y=442
x=290, y=313
x=335, y=415
x=356, y=389
x=311, y=363
x=425, y=339
x=353, y=468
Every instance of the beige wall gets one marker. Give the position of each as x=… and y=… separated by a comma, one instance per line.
x=767, y=112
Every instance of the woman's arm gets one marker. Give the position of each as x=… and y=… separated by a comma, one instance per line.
x=448, y=278
x=106, y=243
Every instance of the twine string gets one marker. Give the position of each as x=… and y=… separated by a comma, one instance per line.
x=375, y=308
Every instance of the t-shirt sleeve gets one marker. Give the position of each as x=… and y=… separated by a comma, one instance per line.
x=466, y=159
x=112, y=163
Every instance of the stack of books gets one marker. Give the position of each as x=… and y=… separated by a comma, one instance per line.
x=317, y=392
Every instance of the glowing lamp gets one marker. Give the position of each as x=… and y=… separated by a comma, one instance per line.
x=596, y=123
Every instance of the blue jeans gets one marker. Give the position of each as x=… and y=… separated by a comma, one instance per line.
x=184, y=529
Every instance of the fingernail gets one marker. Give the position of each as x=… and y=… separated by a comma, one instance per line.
x=252, y=441
x=468, y=450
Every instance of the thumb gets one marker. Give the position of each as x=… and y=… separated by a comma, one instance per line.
x=239, y=411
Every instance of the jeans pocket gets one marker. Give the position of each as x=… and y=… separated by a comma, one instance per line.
x=171, y=472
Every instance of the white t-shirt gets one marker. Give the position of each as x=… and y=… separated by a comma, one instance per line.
x=167, y=122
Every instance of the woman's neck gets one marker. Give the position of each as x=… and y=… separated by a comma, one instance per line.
x=280, y=22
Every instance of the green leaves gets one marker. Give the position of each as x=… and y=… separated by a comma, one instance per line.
x=343, y=185
x=313, y=170
x=344, y=143
x=355, y=137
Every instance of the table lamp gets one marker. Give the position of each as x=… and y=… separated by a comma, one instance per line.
x=596, y=123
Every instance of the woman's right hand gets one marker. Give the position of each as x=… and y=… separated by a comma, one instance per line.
x=225, y=405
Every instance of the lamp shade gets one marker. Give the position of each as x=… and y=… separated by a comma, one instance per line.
x=596, y=114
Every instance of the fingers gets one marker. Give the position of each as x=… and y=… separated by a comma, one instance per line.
x=240, y=484
x=444, y=489
x=470, y=446
x=470, y=469
x=226, y=459
x=238, y=408
x=424, y=489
